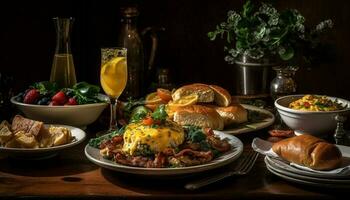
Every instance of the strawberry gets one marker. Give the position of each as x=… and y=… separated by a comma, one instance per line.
x=71, y=102
x=60, y=98
x=31, y=96
x=54, y=103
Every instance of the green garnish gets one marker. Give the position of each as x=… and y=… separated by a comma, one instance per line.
x=159, y=113
x=194, y=134
x=139, y=113
x=96, y=142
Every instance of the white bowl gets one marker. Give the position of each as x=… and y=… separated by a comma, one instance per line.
x=309, y=122
x=48, y=152
x=78, y=115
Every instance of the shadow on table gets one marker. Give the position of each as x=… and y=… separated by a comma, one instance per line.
x=175, y=184
x=60, y=165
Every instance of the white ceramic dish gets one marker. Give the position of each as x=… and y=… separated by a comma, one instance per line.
x=257, y=126
x=290, y=170
x=41, y=153
x=306, y=180
x=78, y=115
x=310, y=122
x=94, y=156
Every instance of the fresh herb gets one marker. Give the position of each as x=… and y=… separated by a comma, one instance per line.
x=96, y=142
x=204, y=145
x=139, y=113
x=255, y=116
x=85, y=93
x=154, y=126
x=46, y=88
x=194, y=134
x=216, y=153
x=262, y=31
x=159, y=113
x=129, y=106
x=144, y=150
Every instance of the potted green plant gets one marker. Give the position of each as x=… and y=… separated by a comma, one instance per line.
x=260, y=37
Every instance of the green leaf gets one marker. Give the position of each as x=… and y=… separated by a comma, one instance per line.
x=212, y=35
x=287, y=53
x=86, y=88
x=160, y=113
x=194, y=134
x=46, y=87
x=138, y=114
x=96, y=142
x=247, y=8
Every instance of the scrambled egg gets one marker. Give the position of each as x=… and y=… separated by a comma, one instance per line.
x=157, y=138
x=315, y=103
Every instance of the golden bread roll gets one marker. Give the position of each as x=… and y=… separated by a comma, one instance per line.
x=221, y=96
x=204, y=92
x=309, y=151
x=233, y=114
x=198, y=115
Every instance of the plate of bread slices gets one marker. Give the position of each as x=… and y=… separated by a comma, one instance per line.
x=209, y=106
x=29, y=139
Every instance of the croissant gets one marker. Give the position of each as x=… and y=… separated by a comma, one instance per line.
x=309, y=151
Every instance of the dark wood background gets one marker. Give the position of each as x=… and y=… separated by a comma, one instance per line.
x=27, y=39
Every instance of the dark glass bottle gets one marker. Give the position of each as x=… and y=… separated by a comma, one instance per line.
x=129, y=38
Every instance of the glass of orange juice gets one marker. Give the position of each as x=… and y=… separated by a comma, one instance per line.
x=113, y=77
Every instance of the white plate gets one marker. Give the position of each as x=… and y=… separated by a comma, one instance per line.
x=41, y=153
x=257, y=126
x=322, y=180
x=291, y=170
x=306, y=182
x=93, y=154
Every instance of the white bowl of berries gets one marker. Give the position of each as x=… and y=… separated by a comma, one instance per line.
x=78, y=106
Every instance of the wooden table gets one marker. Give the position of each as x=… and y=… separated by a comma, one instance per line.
x=71, y=175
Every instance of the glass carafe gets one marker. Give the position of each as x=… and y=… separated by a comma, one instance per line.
x=131, y=40
x=63, y=71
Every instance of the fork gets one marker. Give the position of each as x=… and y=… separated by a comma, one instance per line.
x=242, y=168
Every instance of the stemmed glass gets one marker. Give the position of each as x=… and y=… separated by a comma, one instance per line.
x=113, y=77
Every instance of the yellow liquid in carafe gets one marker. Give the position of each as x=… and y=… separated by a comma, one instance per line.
x=63, y=71
x=114, y=76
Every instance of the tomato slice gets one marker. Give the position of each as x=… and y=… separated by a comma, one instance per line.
x=148, y=121
x=164, y=94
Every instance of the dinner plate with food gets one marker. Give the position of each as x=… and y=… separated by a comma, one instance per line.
x=207, y=106
x=29, y=139
x=152, y=144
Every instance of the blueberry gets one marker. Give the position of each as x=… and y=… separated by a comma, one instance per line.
x=41, y=102
x=45, y=100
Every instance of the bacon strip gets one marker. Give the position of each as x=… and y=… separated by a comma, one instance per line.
x=220, y=145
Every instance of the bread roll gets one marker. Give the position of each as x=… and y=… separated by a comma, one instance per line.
x=309, y=151
x=233, y=114
x=204, y=92
x=198, y=115
x=221, y=96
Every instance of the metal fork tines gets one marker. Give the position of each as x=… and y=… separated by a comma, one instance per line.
x=243, y=167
